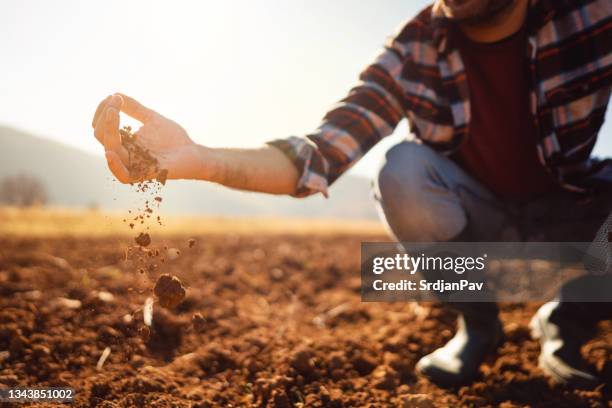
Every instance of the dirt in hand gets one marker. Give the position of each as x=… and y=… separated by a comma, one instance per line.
x=141, y=164
x=169, y=291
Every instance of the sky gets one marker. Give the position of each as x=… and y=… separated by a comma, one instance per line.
x=233, y=73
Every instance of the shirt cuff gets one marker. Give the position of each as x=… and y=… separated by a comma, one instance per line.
x=311, y=166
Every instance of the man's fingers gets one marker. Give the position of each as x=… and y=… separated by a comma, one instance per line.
x=101, y=115
x=135, y=109
x=112, y=137
x=117, y=167
x=116, y=155
x=99, y=128
x=98, y=132
x=99, y=110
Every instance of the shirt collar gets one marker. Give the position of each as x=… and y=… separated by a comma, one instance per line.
x=441, y=28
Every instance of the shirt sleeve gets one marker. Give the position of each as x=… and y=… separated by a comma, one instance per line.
x=370, y=111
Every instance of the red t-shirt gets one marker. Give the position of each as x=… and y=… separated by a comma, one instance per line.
x=500, y=149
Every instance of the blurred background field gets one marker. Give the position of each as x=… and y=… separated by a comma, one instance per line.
x=43, y=222
x=35, y=170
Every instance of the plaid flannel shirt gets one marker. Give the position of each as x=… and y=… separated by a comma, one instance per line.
x=420, y=76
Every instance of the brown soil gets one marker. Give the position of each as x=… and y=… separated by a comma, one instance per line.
x=169, y=291
x=143, y=239
x=266, y=321
x=141, y=162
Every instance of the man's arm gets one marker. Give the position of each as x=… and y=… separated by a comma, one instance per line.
x=264, y=169
x=295, y=166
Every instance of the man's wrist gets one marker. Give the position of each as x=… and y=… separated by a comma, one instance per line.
x=206, y=164
x=222, y=166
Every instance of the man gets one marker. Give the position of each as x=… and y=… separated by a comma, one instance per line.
x=505, y=98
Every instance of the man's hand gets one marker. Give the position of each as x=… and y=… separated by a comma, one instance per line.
x=164, y=139
x=265, y=169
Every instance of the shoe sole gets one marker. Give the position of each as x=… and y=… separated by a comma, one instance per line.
x=538, y=332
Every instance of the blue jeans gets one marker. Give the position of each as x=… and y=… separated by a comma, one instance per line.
x=426, y=197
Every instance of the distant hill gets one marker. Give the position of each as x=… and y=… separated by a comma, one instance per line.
x=75, y=178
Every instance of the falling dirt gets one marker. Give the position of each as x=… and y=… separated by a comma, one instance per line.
x=142, y=164
x=169, y=291
x=143, y=239
x=257, y=340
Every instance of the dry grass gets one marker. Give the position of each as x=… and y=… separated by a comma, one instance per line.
x=57, y=222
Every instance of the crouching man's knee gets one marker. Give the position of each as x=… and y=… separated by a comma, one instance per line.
x=413, y=199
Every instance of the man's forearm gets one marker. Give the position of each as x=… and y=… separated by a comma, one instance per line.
x=264, y=169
